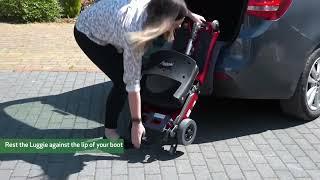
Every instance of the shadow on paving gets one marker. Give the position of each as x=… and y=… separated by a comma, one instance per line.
x=220, y=119
x=79, y=114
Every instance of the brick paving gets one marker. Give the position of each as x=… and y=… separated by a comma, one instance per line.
x=236, y=139
x=41, y=46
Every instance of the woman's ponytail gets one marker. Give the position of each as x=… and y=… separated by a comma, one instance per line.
x=141, y=38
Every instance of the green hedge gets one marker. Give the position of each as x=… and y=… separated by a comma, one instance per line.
x=71, y=8
x=38, y=10
x=30, y=10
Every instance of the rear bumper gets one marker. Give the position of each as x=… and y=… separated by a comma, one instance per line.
x=247, y=88
x=262, y=65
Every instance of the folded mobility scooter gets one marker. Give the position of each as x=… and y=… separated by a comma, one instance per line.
x=171, y=83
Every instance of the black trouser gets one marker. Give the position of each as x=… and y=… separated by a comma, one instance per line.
x=108, y=60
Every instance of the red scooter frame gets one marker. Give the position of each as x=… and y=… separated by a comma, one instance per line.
x=177, y=123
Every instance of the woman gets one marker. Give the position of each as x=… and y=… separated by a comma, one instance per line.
x=114, y=34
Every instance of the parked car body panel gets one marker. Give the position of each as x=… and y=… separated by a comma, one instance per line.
x=267, y=58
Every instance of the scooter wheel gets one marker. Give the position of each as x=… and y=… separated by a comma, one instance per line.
x=187, y=132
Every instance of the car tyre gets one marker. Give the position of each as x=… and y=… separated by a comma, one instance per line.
x=307, y=88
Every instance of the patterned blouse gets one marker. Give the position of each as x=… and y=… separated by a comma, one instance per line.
x=107, y=22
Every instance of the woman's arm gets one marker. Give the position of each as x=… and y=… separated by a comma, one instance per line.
x=132, y=74
x=137, y=128
x=135, y=105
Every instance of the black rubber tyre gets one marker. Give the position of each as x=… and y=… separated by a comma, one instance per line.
x=297, y=105
x=187, y=131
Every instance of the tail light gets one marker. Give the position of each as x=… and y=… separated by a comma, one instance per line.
x=268, y=9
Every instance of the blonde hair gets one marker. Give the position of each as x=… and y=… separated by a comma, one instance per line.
x=161, y=15
x=140, y=39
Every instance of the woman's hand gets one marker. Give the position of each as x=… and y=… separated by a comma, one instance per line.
x=196, y=18
x=137, y=131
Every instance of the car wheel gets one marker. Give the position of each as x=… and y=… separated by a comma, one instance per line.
x=305, y=103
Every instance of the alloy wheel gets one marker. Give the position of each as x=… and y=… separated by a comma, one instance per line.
x=313, y=87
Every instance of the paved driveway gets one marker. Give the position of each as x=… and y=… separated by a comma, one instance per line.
x=236, y=140
x=48, y=88
x=41, y=47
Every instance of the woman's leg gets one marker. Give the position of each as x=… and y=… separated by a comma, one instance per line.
x=108, y=60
